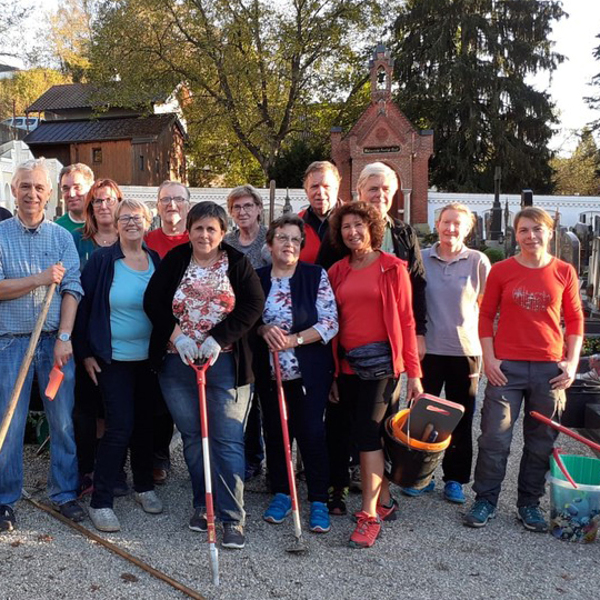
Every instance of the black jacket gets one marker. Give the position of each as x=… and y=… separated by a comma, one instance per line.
x=249, y=302
x=92, y=335
x=406, y=247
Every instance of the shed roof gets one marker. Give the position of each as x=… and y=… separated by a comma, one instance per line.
x=85, y=130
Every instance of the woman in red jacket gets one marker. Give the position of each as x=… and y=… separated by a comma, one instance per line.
x=374, y=299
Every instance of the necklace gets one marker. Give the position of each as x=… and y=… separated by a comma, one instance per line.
x=105, y=241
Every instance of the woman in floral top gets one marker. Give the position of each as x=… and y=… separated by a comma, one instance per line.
x=203, y=300
x=299, y=321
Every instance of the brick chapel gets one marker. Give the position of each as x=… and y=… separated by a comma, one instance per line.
x=383, y=133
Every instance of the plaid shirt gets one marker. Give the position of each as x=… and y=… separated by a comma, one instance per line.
x=24, y=253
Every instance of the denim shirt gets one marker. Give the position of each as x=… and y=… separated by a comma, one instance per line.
x=25, y=252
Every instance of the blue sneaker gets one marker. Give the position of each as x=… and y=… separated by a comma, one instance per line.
x=319, y=517
x=532, y=518
x=481, y=512
x=453, y=492
x=414, y=492
x=279, y=509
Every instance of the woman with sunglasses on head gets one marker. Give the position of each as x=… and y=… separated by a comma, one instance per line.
x=99, y=229
x=112, y=336
x=298, y=322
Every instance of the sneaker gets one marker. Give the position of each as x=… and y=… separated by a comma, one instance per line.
x=319, y=517
x=233, y=536
x=366, y=532
x=337, y=501
x=385, y=513
x=104, y=519
x=279, y=509
x=414, y=492
x=149, y=501
x=355, y=479
x=7, y=518
x=453, y=492
x=532, y=518
x=252, y=470
x=198, y=520
x=481, y=512
x=72, y=511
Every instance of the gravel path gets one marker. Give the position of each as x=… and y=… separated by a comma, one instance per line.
x=427, y=553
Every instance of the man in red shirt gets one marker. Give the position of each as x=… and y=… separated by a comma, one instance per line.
x=321, y=184
x=173, y=206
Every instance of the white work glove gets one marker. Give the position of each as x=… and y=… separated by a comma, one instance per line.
x=210, y=350
x=187, y=348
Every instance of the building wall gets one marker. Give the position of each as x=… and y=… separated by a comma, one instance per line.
x=115, y=159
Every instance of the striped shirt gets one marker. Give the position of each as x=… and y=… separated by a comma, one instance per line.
x=25, y=252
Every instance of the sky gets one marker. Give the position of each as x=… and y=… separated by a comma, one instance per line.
x=575, y=38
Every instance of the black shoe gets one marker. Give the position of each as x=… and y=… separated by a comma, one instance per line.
x=252, y=470
x=7, y=518
x=233, y=536
x=72, y=511
x=198, y=521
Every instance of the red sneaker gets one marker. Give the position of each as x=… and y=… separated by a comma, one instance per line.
x=366, y=532
x=385, y=513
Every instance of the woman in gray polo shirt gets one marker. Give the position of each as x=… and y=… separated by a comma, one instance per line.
x=456, y=278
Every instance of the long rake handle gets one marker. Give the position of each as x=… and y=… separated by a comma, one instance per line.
x=565, y=430
x=286, y=447
x=33, y=341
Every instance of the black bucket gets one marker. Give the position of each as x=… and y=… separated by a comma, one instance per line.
x=409, y=462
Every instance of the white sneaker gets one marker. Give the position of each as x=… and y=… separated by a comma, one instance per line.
x=104, y=519
x=149, y=501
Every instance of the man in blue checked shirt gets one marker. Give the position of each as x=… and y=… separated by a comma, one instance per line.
x=34, y=253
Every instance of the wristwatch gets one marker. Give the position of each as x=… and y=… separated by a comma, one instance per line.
x=299, y=339
x=64, y=336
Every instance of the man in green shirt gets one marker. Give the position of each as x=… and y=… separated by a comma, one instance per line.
x=75, y=182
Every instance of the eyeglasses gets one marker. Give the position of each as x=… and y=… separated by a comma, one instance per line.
x=244, y=207
x=284, y=239
x=137, y=219
x=111, y=201
x=166, y=200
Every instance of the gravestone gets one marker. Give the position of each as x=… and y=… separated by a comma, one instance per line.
x=570, y=249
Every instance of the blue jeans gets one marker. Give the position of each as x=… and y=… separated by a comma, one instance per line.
x=63, y=479
x=227, y=413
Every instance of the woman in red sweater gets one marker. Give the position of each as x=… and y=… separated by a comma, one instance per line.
x=374, y=300
x=524, y=361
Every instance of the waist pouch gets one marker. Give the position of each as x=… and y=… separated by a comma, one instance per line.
x=371, y=361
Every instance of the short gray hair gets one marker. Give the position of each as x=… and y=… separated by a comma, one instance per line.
x=32, y=165
x=376, y=168
x=167, y=183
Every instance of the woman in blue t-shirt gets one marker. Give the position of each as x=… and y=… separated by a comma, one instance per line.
x=112, y=336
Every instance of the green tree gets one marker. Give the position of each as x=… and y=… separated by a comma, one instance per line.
x=251, y=66
x=25, y=87
x=462, y=66
x=580, y=173
x=594, y=101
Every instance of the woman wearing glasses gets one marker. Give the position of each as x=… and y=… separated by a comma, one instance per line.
x=245, y=207
x=299, y=321
x=99, y=228
x=112, y=336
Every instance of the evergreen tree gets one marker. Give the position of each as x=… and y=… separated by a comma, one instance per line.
x=462, y=67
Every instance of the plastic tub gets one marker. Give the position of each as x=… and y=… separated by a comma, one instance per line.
x=409, y=462
x=575, y=513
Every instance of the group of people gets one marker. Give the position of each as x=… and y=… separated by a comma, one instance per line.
x=340, y=294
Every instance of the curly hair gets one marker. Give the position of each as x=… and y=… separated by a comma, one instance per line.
x=365, y=211
x=286, y=219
